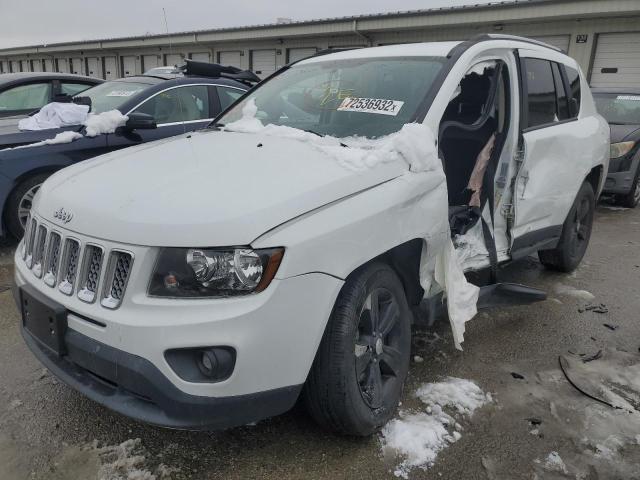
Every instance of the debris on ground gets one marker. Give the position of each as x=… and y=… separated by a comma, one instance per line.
x=418, y=359
x=610, y=327
x=600, y=308
x=517, y=376
x=593, y=357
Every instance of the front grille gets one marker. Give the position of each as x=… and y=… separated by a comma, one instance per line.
x=118, y=275
x=70, y=265
x=88, y=281
x=52, y=259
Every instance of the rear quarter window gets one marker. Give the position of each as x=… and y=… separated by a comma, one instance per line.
x=573, y=77
x=541, y=92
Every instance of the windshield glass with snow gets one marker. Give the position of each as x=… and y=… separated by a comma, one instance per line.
x=619, y=109
x=110, y=95
x=369, y=97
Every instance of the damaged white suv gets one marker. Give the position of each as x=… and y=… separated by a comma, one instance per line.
x=209, y=280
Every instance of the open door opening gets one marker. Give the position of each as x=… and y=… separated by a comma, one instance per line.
x=471, y=137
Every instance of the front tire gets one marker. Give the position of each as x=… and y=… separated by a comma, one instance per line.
x=575, y=236
x=357, y=376
x=19, y=204
x=631, y=199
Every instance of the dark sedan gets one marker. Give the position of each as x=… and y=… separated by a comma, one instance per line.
x=22, y=93
x=621, y=108
x=157, y=107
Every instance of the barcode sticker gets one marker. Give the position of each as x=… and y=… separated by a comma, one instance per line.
x=635, y=98
x=121, y=93
x=380, y=106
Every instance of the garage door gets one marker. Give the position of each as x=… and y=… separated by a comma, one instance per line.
x=15, y=66
x=263, y=62
x=229, y=59
x=560, y=41
x=617, y=60
x=4, y=67
x=128, y=65
x=94, y=67
x=149, y=62
x=36, y=65
x=173, y=59
x=110, y=68
x=77, y=66
x=26, y=65
x=62, y=65
x=48, y=65
x=296, y=54
x=200, y=57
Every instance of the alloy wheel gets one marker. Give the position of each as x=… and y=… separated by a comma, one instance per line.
x=26, y=202
x=378, y=355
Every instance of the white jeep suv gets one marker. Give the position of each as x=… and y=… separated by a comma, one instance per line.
x=209, y=280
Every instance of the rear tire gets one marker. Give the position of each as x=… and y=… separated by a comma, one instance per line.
x=359, y=371
x=631, y=199
x=19, y=204
x=575, y=236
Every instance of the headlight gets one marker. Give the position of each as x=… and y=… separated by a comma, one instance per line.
x=620, y=149
x=213, y=272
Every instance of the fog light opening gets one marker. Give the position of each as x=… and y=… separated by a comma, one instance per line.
x=208, y=363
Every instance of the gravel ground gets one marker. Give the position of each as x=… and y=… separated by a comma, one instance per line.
x=48, y=431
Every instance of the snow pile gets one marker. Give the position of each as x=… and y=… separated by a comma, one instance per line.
x=419, y=437
x=55, y=115
x=62, y=137
x=555, y=463
x=126, y=461
x=414, y=143
x=105, y=122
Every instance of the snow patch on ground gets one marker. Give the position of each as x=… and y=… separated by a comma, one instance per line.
x=573, y=292
x=105, y=122
x=555, y=463
x=127, y=461
x=418, y=437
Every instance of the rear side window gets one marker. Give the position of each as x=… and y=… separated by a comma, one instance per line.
x=25, y=97
x=72, y=89
x=574, y=85
x=228, y=96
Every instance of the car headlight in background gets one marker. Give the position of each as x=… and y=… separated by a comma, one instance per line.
x=620, y=149
x=213, y=272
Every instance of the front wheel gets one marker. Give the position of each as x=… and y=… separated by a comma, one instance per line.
x=631, y=199
x=575, y=236
x=19, y=204
x=357, y=376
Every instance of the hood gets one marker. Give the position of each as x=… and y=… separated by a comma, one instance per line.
x=203, y=189
x=622, y=133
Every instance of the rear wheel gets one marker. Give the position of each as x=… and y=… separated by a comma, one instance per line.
x=575, y=236
x=20, y=202
x=357, y=377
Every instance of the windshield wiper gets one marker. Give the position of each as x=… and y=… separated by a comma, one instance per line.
x=323, y=135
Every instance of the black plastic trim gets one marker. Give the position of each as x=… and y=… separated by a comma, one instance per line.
x=134, y=387
x=531, y=242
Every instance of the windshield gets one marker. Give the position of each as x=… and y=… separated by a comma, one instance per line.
x=619, y=108
x=365, y=97
x=110, y=95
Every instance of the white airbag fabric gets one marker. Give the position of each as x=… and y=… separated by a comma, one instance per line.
x=415, y=145
x=55, y=115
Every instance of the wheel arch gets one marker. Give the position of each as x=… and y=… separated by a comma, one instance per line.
x=595, y=178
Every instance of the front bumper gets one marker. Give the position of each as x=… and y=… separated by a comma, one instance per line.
x=134, y=387
x=275, y=335
x=620, y=181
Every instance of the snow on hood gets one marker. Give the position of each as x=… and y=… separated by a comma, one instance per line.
x=58, y=115
x=414, y=143
x=55, y=115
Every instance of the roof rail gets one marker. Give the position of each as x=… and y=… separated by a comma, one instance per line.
x=503, y=36
x=215, y=70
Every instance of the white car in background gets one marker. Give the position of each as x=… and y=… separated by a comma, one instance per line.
x=209, y=280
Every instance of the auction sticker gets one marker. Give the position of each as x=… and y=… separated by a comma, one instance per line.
x=633, y=98
x=121, y=93
x=371, y=105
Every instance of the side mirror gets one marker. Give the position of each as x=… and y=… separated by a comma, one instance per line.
x=140, y=121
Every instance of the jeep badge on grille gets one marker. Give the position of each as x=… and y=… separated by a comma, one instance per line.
x=63, y=215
